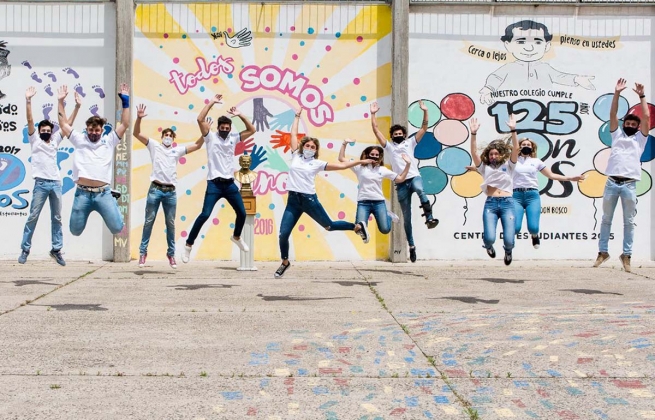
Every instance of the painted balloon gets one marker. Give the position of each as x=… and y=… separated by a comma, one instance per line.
x=467, y=185
x=543, y=144
x=603, y=104
x=649, y=150
x=428, y=147
x=636, y=110
x=415, y=113
x=593, y=185
x=605, y=135
x=453, y=160
x=645, y=184
x=543, y=180
x=434, y=179
x=457, y=106
x=601, y=158
x=451, y=132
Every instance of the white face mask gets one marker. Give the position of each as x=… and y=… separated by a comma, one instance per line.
x=308, y=153
x=167, y=141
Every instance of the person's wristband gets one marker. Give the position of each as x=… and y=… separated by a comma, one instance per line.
x=425, y=122
x=474, y=134
x=512, y=131
x=642, y=96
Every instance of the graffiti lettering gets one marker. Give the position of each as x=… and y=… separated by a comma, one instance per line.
x=266, y=182
x=9, y=109
x=566, y=185
x=263, y=226
x=21, y=203
x=12, y=150
x=183, y=82
x=558, y=118
x=8, y=125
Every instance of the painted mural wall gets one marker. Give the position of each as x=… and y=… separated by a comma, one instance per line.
x=46, y=46
x=267, y=60
x=559, y=79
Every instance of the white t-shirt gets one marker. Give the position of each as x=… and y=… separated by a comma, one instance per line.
x=498, y=177
x=525, y=172
x=370, y=181
x=220, y=154
x=93, y=160
x=164, y=162
x=395, y=153
x=625, y=158
x=302, y=173
x=44, y=156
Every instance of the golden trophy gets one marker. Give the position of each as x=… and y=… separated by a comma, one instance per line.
x=246, y=177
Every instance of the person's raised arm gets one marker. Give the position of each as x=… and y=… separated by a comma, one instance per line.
x=202, y=117
x=474, y=126
x=29, y=94
x=190, y=148
x=250, y=129
x=645, y=111
x=140, y=114
x=293, y=139
x=342, y=151
x=65, y=128
x=515, y=139
x=408, y=163
x=346, y=165
x=424, y=124
x=124, y=95
x=556, y=177
x=614, y=108
x=374, y=125
x=78, y=104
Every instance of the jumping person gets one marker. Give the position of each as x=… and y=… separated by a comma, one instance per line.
x=496, y=165
x=47, y=180
x=370, y=199
x=526, y=187
x=623, y=171
x=301, y=186
x=413, y=183
x=163, y=179
x=93, y=163
x=220, y=176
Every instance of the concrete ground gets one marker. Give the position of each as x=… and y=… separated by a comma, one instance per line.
x=362, y=340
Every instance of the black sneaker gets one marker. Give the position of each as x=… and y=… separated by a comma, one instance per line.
x=56, y=255
x=280, y=271
x=491, y=252
x=508, y=258
x=116, y=194
x=412, y=254
x=536, y=242
x=432, y=223
x=363, y=231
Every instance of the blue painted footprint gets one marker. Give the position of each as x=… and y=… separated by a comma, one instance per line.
x=94, y=110
x=67, y=183
x=48, y=90
x=46, y=111
x=69, y=70
x=27, y=64
x=99, y=91
x=26, y=136
x=51, y=75
x=63, y=153
x=79, y=89
x=36, y=77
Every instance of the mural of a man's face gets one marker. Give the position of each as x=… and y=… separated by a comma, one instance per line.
x=528, y=45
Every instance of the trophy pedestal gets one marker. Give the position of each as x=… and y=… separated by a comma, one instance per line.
x=247, y=259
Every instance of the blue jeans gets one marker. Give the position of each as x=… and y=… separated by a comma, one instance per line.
x=527, y=202
x=379, y=209
x=215, y=191
x=168, y=202
x=86, y=201
x=297, y=204
x=404, y=191
x=498, y=208
x=628, y=194
x=44, y=189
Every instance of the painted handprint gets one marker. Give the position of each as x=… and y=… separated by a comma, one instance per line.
x=244, y=146
x=260, y=114
x=275, y=161
x=283, y=139
x=257, y=157
x=240, y=39
x=283, y=121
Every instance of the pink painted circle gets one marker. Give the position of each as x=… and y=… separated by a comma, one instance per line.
x=451, y=132
x=601, y=159
x=215, y=221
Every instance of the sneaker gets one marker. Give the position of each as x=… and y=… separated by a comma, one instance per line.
x=432, y=223
x=394, y=216
x=186, y=254
x=508, y=258
x=142, y=260
x=56, y=255
x=625, y=260
x=412, y=254
x=280, y=271
x=240, y=243
x=491, y=252
x=601, y=258
x=116, y=194
x=536, y=242
x=171, y=261
x=363, y=231
x=23, y=256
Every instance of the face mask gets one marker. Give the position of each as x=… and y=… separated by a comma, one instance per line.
x=375, y=158
x=45, y=136
x=398, y=139
x=630, y=131
x=167, y=141
x=223, y=133
x=526, y=150
x=93, y=137
x=493, y=162
x=308, y=153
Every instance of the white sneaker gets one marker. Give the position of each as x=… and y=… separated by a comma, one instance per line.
x=186, y=254
x=240, y=243
x=394, y=216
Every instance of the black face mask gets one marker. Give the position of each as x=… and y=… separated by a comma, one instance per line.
x=398, y=139
x=45, y=136
x=526, y=150
x=375, y=158
x=630, y=131
x=224, y=133
x=93, y=138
